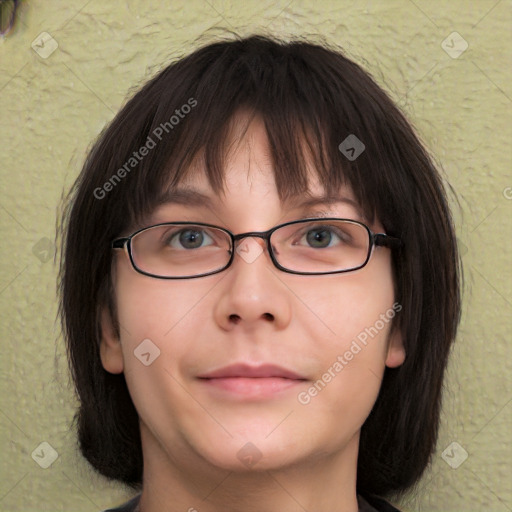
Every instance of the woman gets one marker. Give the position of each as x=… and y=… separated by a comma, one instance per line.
x=259, y=287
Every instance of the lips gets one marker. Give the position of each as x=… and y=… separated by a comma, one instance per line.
x=254, y=372
x=246, y=382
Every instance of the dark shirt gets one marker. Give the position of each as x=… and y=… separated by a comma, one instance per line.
x=366, y=504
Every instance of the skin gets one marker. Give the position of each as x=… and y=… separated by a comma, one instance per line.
x=252, y=312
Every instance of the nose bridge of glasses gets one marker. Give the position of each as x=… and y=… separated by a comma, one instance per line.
x=260, y=237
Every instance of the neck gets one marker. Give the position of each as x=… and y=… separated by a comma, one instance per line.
x=183, y=481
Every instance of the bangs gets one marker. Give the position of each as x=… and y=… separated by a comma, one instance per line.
x=307, y=109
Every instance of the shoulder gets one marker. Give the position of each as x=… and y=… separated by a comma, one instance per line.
x=371, y=503
x=129, y=506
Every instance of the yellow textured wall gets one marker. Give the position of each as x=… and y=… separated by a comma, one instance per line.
x=54, y=100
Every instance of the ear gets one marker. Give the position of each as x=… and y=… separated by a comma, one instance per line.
x=110, y=345
x=396, y=350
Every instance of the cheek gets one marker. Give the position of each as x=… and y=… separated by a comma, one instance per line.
x=347, y=308
x=156, y=307
x=349, y=319
x=157, y=318
x=162, y=324
x=349, y=370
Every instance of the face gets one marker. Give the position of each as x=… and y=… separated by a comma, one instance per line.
x=331, y=333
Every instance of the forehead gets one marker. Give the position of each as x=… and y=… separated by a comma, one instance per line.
x=249, y=164
x=291, y=176
x=197, y=192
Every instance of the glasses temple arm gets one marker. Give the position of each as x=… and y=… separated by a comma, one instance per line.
x=387, y=241
x=119, y=243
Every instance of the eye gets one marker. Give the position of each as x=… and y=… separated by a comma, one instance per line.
x=188, y=238
x=320, y=237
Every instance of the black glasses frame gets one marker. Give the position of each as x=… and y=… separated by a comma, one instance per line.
x=376, y=239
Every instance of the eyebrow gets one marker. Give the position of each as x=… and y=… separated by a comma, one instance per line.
x=327, y=199
x=192, y=197
x=186, y=197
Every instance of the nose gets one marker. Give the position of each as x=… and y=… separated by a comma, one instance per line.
x=252, y=294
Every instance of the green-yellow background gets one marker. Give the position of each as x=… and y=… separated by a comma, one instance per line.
x=53, y=106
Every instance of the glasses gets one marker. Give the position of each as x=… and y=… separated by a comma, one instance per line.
x=185, y=250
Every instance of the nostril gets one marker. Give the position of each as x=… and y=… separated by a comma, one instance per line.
x=234, y=318
x=268, y=316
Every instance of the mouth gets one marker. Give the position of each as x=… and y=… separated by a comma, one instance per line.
x=245, y=381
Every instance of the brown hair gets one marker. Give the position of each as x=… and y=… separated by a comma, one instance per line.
x=311, y=97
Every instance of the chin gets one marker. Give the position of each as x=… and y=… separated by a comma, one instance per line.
x=252, y=452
